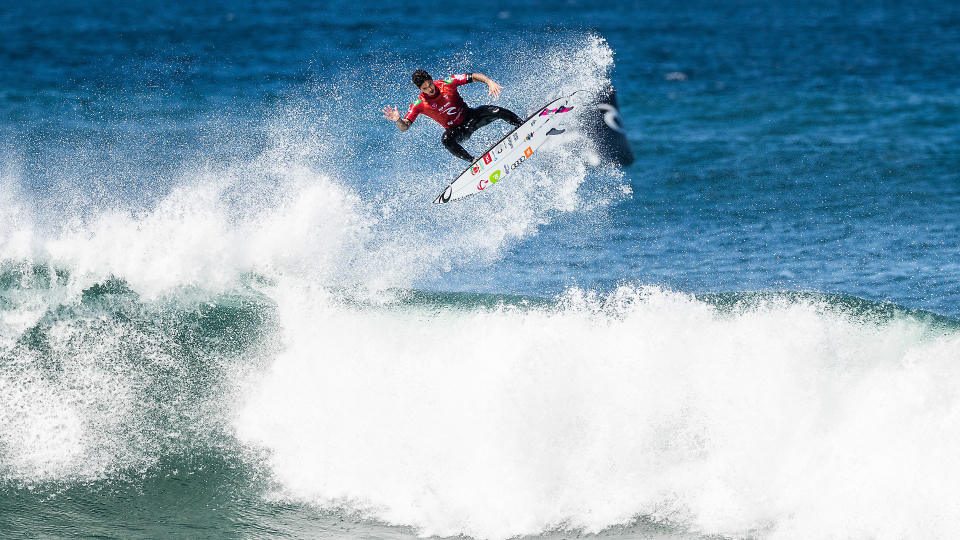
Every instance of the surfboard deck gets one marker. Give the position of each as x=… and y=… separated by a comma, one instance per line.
x=503, y=158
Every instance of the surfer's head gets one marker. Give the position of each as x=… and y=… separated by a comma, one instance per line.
x=424, y=82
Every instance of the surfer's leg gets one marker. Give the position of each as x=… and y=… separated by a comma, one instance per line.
x=451, y=140
x=509, y=116
x=488, y=113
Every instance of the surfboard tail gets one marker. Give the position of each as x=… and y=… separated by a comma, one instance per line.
x=445, y=196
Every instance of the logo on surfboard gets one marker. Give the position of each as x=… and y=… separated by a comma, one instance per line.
x=559, y=110
x=494, y=178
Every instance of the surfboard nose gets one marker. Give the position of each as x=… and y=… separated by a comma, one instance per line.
x=606, y=127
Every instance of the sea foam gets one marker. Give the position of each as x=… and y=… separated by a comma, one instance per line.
x=786, y=419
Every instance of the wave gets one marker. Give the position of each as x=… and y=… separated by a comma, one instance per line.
x=775, y=414
x=788, y=416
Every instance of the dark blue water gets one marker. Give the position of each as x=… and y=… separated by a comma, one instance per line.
x=228, y=307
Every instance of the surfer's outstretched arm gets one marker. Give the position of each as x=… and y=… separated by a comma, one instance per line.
x=492, y=87
x=393, y=114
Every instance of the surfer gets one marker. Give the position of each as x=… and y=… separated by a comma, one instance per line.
x=441, y=101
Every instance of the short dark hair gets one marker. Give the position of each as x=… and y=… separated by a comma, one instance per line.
x=420, y=76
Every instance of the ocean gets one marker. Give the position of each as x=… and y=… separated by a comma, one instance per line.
x=229, y=308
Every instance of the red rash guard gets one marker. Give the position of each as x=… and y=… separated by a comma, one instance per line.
x=446, y=106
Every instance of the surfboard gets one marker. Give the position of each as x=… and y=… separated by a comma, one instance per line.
x=502, y=159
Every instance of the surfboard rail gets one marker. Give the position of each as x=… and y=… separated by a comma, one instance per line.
x=505, y=155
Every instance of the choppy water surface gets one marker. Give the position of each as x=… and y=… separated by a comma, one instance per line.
x=229, y=309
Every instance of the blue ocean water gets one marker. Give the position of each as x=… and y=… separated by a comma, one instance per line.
x=228, y=307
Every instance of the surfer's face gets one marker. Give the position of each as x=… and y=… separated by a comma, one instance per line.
x=428, y=88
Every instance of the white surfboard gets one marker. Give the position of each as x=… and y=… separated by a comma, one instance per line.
x=503, y=158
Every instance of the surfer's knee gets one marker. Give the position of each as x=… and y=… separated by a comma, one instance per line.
x=448, y=139
x=510, y=117
x=453, y=145
x=458, y=151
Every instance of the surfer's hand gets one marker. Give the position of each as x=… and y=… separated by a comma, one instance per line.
x=391, y=113
x=494, y=88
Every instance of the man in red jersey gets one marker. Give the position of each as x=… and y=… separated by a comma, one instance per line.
x=441, y=101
